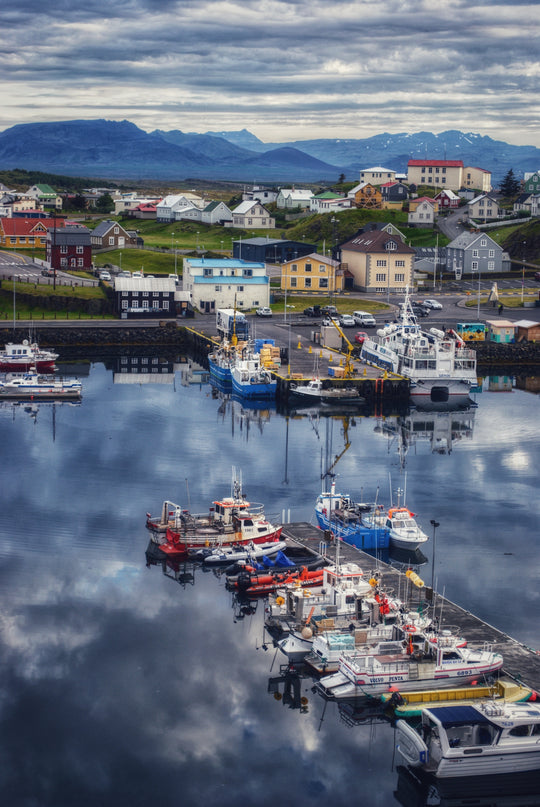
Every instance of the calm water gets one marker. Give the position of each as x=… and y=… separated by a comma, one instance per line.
x=125, y=686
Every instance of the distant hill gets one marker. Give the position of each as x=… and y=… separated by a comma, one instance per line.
x=119, y=149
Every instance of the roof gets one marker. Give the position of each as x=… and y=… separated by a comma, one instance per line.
x=245, y=207
x=71, y=236
x=482, y=196
x=222, y=263
x=328, y=195
x=375, y=241
x=315, y=257
x=104, y=227
x=447, y=192
x=296, y=193
x=465, y=239
x=212, y=206
x=378, y=169
x=163, y=284
x=16, y=226
x=434, y=163
x=526, y=323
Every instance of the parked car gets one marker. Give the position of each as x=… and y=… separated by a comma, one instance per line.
x=124, y=273
x=175, y=278
x=330, y=309
x=48, y=272
x=432, y=304
x=105, y=275
x=364, y=318
x=137, y=274
x=312, y=311
x=420, y=310
x=360, y=337
x=347, y=321
x=264, y=311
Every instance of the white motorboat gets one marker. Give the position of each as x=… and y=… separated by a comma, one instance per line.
x=25, y=355
x=247, y=553
x=437, y=363
x=404, y=532
x=316, y=391
x=487, y=738
x=436, y=667
x=33, y=386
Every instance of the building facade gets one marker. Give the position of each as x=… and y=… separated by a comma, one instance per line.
x=379, y=262
x=69, y=248
x=252, y=215
x=312, y=273
x=226, y=283
x=471, y=253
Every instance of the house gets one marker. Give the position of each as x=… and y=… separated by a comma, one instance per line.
x=168, y=207
x=422, y=212
x=377, y=175
x=145, y=296
x=477, y=178
x=447, y=199
x=270, y=250
x=501, y=330
x=17, y=232
x=188, y=213
x=366, y=195
x=145, y=210
x=387, y=227
x=328, y=201
x=438, y=173
x=313, y=273
x=527, y=330
x=532, y=183
x=45, y=196
x=128, y=202
x=251, y=214
x=522, y=202
x=294, y=197
x=226, y=283
x=379, y=262
x=393, y=195
x=483, y=207
x=264, y=195
x=475, y=252
x=216, y=213
x=111, y=235
x=69, y=248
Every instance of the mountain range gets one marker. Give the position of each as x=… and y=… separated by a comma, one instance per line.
x=119, y=149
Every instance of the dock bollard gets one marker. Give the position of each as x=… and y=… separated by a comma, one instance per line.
x=310, y=351
x=299, y=344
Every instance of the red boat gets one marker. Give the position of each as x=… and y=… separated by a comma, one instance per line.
x=25, y=355
x=232, y=521
x=259, y=583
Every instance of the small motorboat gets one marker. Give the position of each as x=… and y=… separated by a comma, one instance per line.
x=488, y=738
x=250, y=552
x=261, y=583
x=316, y=391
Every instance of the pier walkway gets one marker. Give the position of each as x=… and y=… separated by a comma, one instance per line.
x=520, y=661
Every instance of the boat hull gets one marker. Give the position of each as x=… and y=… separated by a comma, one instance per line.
x=42, y=366
x=176, y=544
x=220, y=372
x=355, y=534
x=254, y=389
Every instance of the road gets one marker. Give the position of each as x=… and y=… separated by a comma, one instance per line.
x=26, y=271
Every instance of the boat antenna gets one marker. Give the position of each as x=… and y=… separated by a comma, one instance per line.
x=390, y=486
x=188, y=499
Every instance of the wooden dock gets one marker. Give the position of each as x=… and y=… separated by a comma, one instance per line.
x=520, y=661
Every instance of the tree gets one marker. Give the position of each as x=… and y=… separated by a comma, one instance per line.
x=105, y=203
x=510, y=185
x=341, y=179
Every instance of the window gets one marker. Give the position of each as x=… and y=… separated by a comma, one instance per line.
x=249, y=221
x=323, y=282
x=80, y=261
x=491, y=253
x=145, y=304
x=308, y=267
x=391, y=246
x=380, y=289
x=248, y=272
x=381, y=262
x=294, y=267
x=63, y=261
x=124, y=294
x=217, y=288
x=474, y=266
x=380, y=277
x=63, y=249
x=145, y=294
x=165, y=305
x=116, y=230
x=293, y=282
x=322, y=267
x=307, y=282
x=125, y=303
x=400, y=263
x=155, y=294
x=80, y=250
x=483, y=242
x=475, y=253
x=240, y=288
x=491, y=266
x=207, y=272
x=111, y=240
x=399, y=278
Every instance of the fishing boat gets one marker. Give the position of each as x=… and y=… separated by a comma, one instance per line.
x=345, y=519
x=431, y=668
x=249, y=375
x=411, y=704
x=459, y=741
x=222, y=359
x=230, y=522
x=437, y=363
x=25, y=355
x=254, y=584
x=34, y=386
x=316, y=390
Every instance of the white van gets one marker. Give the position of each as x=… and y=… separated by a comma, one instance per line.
x=364, y=318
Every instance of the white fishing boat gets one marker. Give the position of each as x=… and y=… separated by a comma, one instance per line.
x=25, y=355
x=432, y=667
x=34, y=386
x=250, y=379
x=403, y=531
x=437, y=363
x=487, y=738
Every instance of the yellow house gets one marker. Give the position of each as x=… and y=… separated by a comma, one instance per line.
x=313, y=273
x=379, y=262
x=367, y=195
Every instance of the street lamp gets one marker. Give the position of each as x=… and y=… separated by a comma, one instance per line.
x=478, y=306
x=434, y=524
x=523, y=269
x=197, y=240
x=172, y=238
x=175, y=257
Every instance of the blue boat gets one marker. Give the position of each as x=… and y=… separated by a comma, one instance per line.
x=250, y=379
x=345, y=520
x=221, y=360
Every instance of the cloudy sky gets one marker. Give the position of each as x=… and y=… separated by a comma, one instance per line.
x=284, y=69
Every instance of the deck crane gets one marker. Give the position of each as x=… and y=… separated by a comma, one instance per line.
x=349, y=367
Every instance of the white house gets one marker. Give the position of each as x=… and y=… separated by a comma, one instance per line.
x=327, y=202
x=483, y=207
x=422, y=212
x=264, y=195
x=377, y=175
x=168, y=207
x=251, y=214
x=225, y=283
x=294, y=197
x=216, y=213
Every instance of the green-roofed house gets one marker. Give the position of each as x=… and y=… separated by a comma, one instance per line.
x=328, y=201
x=216, y=213
x=45, y=196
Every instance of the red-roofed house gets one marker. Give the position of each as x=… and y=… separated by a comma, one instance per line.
x=15, y=232
x=447, y=199
x=146, y=210
x=440, y=173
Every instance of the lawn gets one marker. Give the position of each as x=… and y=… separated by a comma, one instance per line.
x=79, y=299
x=345, y=304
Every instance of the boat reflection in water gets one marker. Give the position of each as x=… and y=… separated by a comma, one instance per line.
x=288, y=687
x=416, y=789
